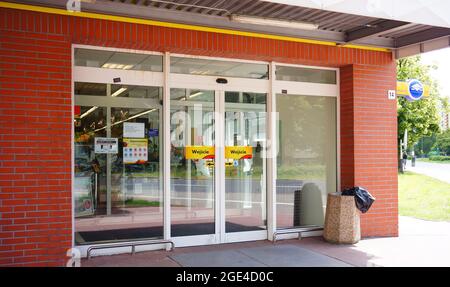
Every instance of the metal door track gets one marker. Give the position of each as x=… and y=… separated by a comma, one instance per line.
x=131, y=244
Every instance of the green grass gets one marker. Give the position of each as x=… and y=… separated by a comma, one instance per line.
x=428, y=160
x=423, y=197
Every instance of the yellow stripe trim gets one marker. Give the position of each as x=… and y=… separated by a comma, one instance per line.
x=175, y=25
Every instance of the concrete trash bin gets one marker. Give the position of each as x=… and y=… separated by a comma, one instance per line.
x=342, y=222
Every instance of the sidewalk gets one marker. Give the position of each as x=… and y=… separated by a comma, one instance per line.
x=439, y=171
x=421, y=243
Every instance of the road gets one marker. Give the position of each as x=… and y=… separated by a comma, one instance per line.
x=439, y=171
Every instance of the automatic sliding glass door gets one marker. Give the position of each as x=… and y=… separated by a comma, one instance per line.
x=192, y=136
x=201, y=204
x=245, y=165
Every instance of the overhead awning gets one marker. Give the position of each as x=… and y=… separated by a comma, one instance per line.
x=407, y=27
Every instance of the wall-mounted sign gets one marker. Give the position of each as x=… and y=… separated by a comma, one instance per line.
x=392, y=95
x=238, y=152
x=83, y=196
x=212, y=163
x=199, y=152
x=135, y=151
x=412, y=90
x=106, y=145
x=133, y=130
x=415, y=90
x=153, y=133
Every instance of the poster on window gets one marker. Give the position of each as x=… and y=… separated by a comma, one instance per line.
x=84, y=198
x=133, y=130
x=238, y=152
x=199, y=152
x=106, y=145
x=135, y=151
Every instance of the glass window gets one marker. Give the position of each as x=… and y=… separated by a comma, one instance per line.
x=191, y=95
x=206, y=67
x=308, y=75
x=245, y=98
x=306, y=158
x=118, y=60
x=128, y=91
x=89, y=89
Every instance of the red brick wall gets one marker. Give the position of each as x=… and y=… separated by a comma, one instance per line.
x=375, y=142
x=35, y=122
x=369, y=142
x=35, y=132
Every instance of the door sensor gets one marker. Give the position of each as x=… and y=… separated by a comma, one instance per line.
x=221, y=81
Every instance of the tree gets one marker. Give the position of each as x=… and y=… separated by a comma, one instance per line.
x=443, y=142
x=425, y=145
x=420, y=118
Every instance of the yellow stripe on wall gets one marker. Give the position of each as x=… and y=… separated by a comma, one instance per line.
x=176, y=25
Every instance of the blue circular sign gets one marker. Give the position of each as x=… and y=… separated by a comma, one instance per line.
x=415, y=90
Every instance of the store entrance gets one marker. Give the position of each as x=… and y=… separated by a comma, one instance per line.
x=177, y=147
x=218, y=167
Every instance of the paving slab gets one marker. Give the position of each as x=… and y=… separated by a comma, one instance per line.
x=226, y=258
x=265, y=256
x=291, y=256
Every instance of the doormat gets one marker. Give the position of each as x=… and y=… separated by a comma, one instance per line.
x=155, y=232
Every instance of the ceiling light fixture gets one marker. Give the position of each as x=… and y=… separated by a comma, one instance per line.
x=118, y=92
x=273, y=22
x=135, y=116
x=195, y=95
x=130, y=118
x=192, y=96
x=88, y=112
x=117, y=66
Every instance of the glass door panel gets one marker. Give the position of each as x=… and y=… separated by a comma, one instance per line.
x=306, y=158
x=192, y=162
x=136, y=188
x=90, y=168
x=245, y=165
x=117, y=185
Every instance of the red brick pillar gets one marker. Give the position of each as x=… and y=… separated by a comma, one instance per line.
x=369, y=142
x=35, y=154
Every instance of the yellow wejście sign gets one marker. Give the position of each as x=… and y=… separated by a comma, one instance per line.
x=238, y=152
x=199, y=152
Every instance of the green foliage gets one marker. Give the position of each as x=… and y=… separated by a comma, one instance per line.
x=433, y=153
x=425, y=145
x=420, y=118
x=443, y=142
x=439, y=158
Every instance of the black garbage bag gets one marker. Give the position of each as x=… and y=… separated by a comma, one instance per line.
x=363, y=199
